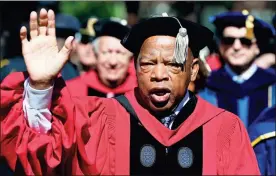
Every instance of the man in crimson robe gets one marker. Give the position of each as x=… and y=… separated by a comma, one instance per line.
x=157, y=128
x=113, y=74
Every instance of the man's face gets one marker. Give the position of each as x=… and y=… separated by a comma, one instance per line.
x=236, y=49
x=162, y=82
x=112, y=61
x=86, y=54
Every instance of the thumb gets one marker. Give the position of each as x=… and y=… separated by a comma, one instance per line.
x=66, y=49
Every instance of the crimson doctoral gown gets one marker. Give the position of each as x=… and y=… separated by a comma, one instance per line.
x=92, y=135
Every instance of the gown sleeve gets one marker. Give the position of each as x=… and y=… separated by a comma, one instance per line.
x=26, y=149
x=81, y=139
x=235, y=154
x=36, y=107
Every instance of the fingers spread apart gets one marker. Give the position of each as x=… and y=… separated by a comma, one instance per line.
x=23, y=34
x=46, y=24
x=33, y=25
x=51, y=23
x=43, y=22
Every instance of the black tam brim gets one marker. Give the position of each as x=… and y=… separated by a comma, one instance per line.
x=199, y=36
x=106, y=27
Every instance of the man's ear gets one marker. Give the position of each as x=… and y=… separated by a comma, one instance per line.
x=194, y=69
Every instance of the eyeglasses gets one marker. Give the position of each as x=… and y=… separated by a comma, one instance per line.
x=231, y=40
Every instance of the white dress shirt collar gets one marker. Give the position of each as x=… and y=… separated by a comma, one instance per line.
x=242, y=77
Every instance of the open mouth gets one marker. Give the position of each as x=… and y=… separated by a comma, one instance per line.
x=160, y=96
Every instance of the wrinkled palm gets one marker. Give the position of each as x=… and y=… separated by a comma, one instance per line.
x=42, y=57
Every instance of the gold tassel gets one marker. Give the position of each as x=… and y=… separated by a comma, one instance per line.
x=249, y=24
x=245, y=12
x=89, y=30
x=90, y=25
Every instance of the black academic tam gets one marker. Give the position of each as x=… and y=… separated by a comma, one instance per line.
x=113, y=27
x=199, y=36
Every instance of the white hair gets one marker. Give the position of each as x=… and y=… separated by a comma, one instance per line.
x=96, y=45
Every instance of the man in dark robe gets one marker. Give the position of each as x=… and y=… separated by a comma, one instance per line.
x=240, y=86
x=262, y=134
x=114, y=72
x=157, y=128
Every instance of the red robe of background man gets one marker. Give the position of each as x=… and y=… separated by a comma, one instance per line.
x=89, y=84
x=92, y=135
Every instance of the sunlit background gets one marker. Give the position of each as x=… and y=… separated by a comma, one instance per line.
x=15, y=14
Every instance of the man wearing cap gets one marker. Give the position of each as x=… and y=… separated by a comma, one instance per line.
x=240, y=86
x=157, y=128
x=86, y=56
x=113, y=74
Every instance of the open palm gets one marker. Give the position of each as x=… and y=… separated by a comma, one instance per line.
x=42, y=57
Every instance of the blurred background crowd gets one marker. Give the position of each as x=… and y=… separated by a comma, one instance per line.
x=251, y=97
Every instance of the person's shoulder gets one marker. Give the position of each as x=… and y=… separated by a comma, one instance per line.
x=268, y=114
x=269, y=73
x=221, y=115
x=90, y=104
x=228, y=126
x=74, y=81
x=208, y=106
x=230, y=117
x=218, y=116
x=264, y=123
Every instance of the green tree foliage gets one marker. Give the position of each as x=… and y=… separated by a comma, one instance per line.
x=86, y=9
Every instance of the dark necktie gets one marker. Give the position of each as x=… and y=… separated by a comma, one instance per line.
x=167, y=120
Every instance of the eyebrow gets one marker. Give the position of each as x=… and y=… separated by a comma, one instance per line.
x=145, y=58
x=165, y=59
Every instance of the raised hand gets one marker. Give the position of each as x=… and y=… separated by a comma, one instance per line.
x=41, y=55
